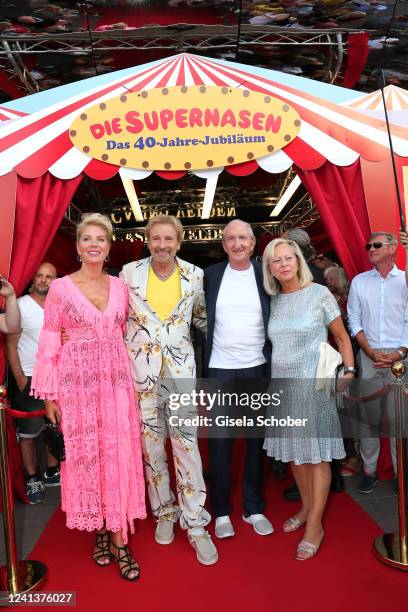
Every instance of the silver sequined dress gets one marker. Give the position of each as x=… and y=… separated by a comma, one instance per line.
x=298, y=324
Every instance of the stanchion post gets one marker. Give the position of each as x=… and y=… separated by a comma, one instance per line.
x=8, y=505
x=16, y=576
x=391, y=548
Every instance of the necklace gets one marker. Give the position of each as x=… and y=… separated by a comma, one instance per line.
x=166, y=275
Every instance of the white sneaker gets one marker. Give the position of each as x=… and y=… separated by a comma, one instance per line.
x=262, y=526
x=223, y=527
x=164, y=533
x=205, y=550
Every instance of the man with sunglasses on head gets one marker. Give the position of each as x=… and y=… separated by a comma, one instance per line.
x=378, y=319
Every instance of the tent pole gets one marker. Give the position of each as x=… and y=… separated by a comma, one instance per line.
x=394, y=168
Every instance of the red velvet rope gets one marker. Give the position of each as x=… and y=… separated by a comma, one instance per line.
x=25, y=415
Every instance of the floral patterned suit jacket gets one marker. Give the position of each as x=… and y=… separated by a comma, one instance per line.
x=153, y=343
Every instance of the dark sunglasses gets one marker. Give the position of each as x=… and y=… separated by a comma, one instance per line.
x=376, y=245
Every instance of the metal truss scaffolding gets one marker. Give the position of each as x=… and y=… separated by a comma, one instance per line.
x=214, y=39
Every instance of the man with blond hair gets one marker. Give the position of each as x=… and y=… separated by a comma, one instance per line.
x=166, y=297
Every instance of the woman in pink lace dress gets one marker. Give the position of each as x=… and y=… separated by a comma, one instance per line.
x=87, y=385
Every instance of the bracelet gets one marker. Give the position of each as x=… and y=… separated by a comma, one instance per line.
x=349, y=370
x=401, y=353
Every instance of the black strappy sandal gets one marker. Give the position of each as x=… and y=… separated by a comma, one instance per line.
x=126, y=563
x=102, y=548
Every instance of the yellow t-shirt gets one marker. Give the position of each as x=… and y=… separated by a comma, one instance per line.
x=163, y=295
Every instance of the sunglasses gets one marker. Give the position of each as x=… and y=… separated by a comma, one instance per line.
x=376, y=245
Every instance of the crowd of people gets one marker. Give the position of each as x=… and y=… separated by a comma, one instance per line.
x=61, y=16
x=105, y=354
x=39, y=17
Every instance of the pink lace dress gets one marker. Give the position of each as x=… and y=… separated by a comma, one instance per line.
x=89, y=378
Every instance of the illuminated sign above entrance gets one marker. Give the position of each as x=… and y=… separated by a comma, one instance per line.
x=185, y=128
x=123, y=216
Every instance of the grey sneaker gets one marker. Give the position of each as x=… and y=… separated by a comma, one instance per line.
x=205, y=550
x=34, y=490
x=223, y=527
x=262, y=526
x=164, y=533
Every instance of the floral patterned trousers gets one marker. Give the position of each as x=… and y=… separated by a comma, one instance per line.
x=191, y=489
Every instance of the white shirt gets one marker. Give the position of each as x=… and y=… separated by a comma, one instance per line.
x=379, y=307
x=239, y=334
x=32, y=321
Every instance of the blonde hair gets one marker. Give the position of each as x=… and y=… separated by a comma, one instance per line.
x=97, y=219
x=165, y=220
x=344, y=284
x=271, y=285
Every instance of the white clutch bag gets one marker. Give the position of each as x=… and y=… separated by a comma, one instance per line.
x=329, y=361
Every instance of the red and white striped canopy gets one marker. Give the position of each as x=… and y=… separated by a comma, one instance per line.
x=396, y=99
x=40, y=142
x=6, y=114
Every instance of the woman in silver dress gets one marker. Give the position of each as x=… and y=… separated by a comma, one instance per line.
x=302, y=313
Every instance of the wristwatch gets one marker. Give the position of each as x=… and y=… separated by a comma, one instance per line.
x=349, y=370
x=401, y=353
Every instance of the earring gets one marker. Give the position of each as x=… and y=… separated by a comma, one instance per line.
x=107, y=258
x=79, y=258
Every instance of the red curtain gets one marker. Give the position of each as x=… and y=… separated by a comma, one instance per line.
x=357, y=54
x=338, y=194
x=40, y=206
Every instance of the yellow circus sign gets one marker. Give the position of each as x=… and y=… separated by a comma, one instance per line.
x=185, y=128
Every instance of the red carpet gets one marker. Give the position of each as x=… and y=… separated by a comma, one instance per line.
x=253, y=573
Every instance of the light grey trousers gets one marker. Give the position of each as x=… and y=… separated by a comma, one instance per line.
x=373, y=412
